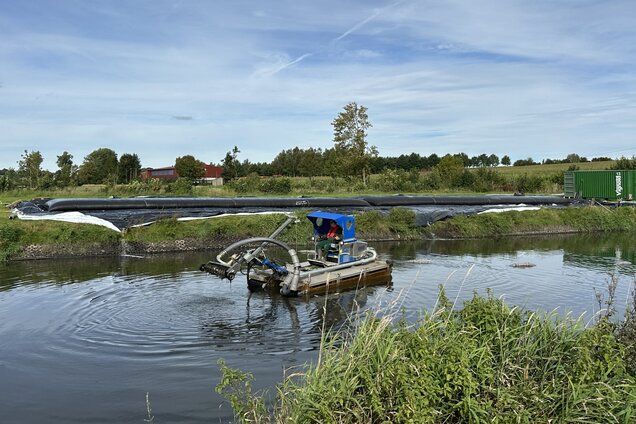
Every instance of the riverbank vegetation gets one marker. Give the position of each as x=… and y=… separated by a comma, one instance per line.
x=396, y=224
x=487, y=362
x=16, y=235
x=586, y=219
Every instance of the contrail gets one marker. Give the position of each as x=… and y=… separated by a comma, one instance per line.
x=285, y=65
x=367, y=20
x=358, y=25
x=343, y=35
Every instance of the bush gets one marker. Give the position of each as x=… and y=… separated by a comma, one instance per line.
x=486, y=179
x=276, y=185
x=249, y=184
x=528, y=183
x=397, y=180
x=624, y=163
x=182, y=186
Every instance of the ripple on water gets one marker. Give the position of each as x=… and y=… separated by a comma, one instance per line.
x=166, y=315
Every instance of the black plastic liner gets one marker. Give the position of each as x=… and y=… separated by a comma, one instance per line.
x=54, y=205
x=464, y=200
x=128, y=212
x=58, y=205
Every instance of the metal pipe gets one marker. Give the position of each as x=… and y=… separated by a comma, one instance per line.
x=374, y=255
x=290, y=219
x=291, y=281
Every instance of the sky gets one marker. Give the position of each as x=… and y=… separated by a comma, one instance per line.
x=163, y=79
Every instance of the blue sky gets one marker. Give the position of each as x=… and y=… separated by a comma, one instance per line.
x=168, y=78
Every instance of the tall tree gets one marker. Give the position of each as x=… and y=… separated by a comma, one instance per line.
x=231, y=165
x=29, y=168
x=353, y=153
x=99, y=166
x=129, y=168
x=310, y=163
x=65, y=169
x=505, y=161
x=189, y=167
x=493, y=160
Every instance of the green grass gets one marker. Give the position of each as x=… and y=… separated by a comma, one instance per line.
x=487, y=362
x=544, y=221
x=15, y=235
x=399, y=223
x=553, y=168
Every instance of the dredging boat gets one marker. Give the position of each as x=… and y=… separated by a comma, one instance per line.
x=348, y=263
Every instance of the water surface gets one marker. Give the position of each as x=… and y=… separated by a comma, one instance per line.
x=84, y=340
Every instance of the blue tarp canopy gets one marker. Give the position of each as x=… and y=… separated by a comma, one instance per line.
x=321, y=220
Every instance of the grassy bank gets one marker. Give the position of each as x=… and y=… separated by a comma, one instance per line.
x=397, y=224
x=81, y=239
x=485, y=363
x=544, y=221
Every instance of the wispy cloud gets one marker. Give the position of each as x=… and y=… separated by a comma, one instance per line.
x=507, y=77
x=282, y=63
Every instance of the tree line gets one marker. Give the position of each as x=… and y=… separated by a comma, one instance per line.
x=351, y=156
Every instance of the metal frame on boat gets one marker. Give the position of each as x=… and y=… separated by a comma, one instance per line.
x=350, y=263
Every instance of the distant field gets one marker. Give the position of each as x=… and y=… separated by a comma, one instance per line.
x=557, y=167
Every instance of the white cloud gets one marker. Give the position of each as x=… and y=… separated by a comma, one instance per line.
x=537, y=79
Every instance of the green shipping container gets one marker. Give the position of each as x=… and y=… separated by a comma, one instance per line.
x=609, y=185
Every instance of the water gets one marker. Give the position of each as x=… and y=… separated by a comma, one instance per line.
x=84, y=340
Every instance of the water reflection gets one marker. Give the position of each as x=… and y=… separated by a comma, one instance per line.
x=82, y=335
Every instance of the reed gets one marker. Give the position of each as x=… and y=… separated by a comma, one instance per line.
x=487, y=362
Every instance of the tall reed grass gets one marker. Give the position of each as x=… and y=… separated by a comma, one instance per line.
x=487, y=362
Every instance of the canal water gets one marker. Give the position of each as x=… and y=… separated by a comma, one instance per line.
x=85, y=340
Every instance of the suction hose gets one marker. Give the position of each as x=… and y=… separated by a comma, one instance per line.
x=290, y=284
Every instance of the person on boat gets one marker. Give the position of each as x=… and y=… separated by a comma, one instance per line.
x=334, y=235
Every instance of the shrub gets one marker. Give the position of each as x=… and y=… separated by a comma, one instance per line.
x=249, y=184
x=528, y=183
x=397, y=180
x=182, y=186
x=276, y=185
x=624, y=163
x=486, y=179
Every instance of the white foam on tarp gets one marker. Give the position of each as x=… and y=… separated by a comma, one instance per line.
x=514, y=208
x=73, y=217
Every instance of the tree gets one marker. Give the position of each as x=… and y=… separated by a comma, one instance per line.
x=353, y=153
x=231, y=165
x=8, y=179
x=189, y=168
x=493, y=160
x=624, y=163
x=450, y=169
x=29, y=168
x=505, y=161
x=64, y=173
x=525, y=162
x=573, y=158
x=287, y=162
x=99, y=166
x=129, y=168
x=311, y=163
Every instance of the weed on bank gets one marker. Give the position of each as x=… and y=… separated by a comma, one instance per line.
x=487, y=362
